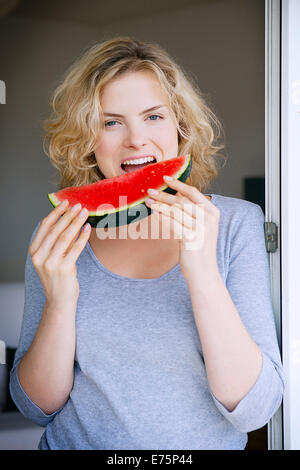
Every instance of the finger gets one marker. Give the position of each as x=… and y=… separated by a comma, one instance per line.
x=66, y=238
x=56, y=230
x=46, y=224
x=77, y=247
x=176, y=212
x=189, y=239
x=170, y=198
x=171, y=225
x=194, y=210
x=75, y=237
x=189, y=191
x=192, y=227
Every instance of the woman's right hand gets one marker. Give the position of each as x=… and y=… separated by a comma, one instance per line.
x=54, y=252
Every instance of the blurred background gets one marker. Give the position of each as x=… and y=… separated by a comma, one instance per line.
x=219, y=42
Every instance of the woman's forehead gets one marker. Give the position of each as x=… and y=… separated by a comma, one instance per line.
x=133, y=83
x=134, y=92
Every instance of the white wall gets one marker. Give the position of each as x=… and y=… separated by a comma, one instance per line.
x=33, y=56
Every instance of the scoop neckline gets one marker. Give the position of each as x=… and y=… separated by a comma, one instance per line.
x=133, y=279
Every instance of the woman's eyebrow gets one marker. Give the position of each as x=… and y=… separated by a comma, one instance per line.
x=140, y=114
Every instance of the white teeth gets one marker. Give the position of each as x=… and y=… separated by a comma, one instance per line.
x=139, y=161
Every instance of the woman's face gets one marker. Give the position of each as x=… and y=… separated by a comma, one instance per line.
x=131, y=128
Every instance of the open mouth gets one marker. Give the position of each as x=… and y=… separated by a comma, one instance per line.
x=129, y=168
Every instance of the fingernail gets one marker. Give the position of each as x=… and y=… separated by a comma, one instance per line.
x=64, y=203
x=83, y=213
x=168, y=178
x=76, y=207
x=154, y=192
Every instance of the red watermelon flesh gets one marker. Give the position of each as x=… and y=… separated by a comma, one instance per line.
x=127, y=190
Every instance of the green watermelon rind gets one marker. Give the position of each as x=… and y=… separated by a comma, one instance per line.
x=182, y=174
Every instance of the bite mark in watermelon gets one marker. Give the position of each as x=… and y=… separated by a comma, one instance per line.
x=116, y=201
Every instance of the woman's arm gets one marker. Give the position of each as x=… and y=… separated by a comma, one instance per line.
x=46, y=371
x=233, y=360
x=46, y=368
x=235, y=321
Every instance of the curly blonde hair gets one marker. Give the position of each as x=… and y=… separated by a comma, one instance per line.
x=77, y=118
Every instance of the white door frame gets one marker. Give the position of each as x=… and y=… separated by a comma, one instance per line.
x=272, y=176
x=290, y=219
x=282, y=170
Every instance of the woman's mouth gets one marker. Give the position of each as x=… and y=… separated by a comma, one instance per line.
x=130, y=167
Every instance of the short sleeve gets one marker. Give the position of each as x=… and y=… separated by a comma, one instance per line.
x=249, y=285
x=34, y=302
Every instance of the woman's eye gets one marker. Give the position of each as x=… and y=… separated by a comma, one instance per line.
x=155, y=115
x=109, y=122
x=112, y=123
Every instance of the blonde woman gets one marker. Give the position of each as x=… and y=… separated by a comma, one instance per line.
x=142, y=342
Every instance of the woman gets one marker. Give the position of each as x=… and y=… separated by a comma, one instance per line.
x=140, y=342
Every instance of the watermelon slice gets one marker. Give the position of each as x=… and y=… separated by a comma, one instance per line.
x=117, y=201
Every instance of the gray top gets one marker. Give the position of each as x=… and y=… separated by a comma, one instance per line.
x=139, y=375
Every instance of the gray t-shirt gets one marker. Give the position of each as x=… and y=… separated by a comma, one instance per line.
x=139, y=375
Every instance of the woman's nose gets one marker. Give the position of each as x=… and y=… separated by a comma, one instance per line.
x=135, y=138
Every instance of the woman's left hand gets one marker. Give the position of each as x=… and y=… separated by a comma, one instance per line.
x=195, y=222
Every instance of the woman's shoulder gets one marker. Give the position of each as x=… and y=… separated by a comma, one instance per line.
x=239, y=218
x=233, y=206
